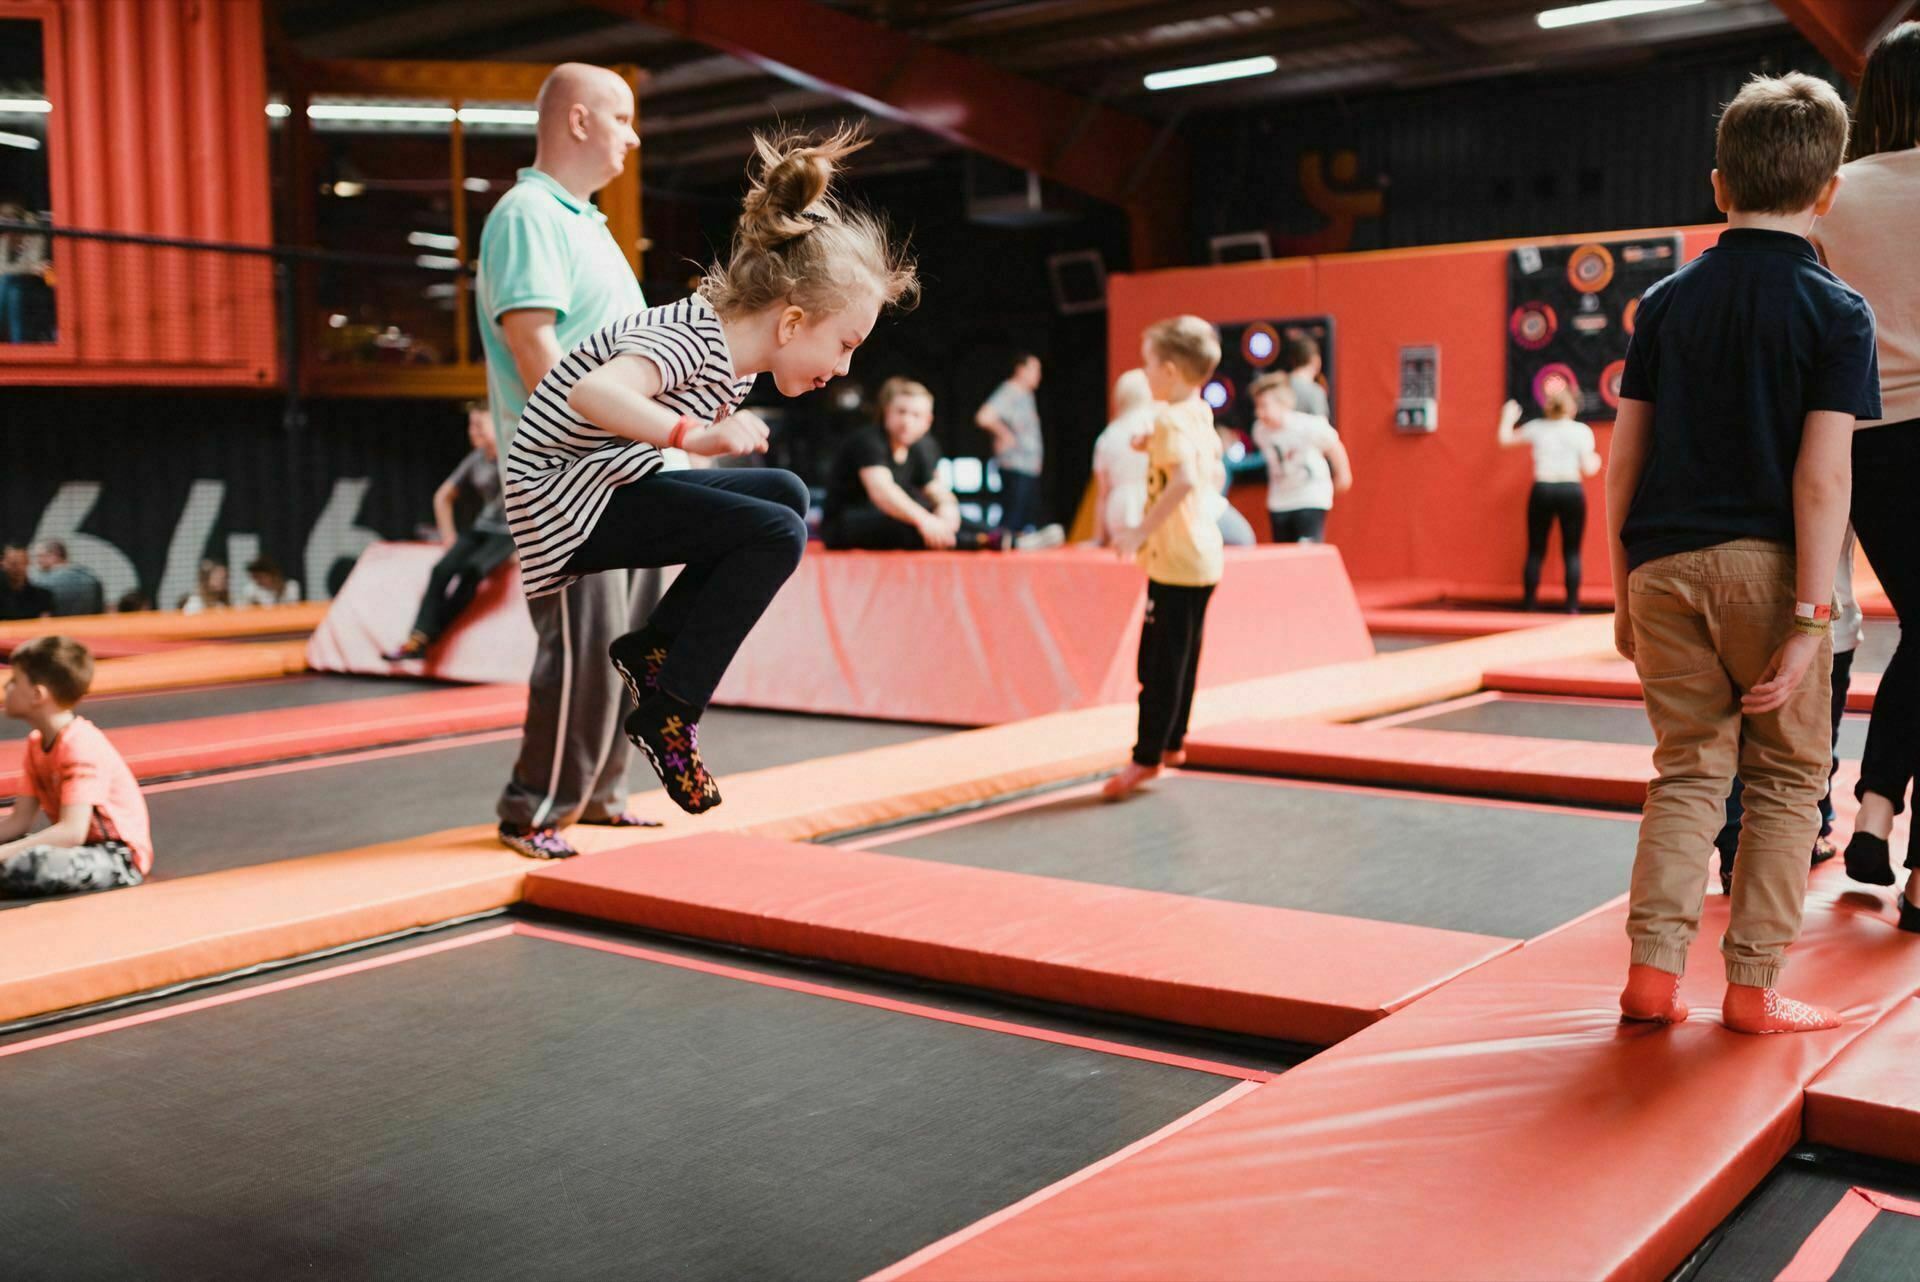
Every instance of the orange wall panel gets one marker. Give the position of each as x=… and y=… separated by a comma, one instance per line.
x=159, y=113
x=1449, y=506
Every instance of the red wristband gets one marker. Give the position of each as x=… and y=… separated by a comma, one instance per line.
x=679, y=432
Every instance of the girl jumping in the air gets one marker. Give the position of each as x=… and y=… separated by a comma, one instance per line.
x=802, y=287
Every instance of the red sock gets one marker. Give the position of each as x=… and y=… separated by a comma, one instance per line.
x=1652, y=994
x=1747, y=1009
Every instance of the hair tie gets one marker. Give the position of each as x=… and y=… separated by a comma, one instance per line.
x=814, y=216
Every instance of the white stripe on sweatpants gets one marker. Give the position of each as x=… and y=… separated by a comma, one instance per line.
x=566, y=708
x=606, y=747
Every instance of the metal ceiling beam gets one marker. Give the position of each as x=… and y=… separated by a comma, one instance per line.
x=1845, y=31
x=409, y=26
x=1078, y=143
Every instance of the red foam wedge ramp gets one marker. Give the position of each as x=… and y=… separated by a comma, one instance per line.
x=1298, y=976
x=1616, y=679
x=1868, y=1100
x=1506, y=1126
x=249, y=738
x=1594, y=774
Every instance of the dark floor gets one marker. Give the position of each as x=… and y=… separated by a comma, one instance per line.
x=1621, y=722
x=114, y=711
x=1507, y=871
x=1387, y=643
x=1877, y=644
x=520, y=1108
x=1763, y=1236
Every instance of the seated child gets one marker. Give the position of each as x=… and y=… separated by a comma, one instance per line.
x=885, y=493
x=470, y=557
x=97, y=834
x=1306, y=463
x=1177, y=542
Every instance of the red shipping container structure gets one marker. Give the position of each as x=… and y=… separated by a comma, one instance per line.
x=157, y=128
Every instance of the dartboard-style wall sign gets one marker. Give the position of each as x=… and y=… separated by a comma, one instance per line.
x=1570, y=314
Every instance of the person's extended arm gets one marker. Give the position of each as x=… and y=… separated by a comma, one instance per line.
x=946, y=508
x=531, y=338
x=1102, y=488
x=1822, y=492
x=1505, y=435
x=19, y=821
x=619, y=397
x=885, y=493
x=70, y=829
x=1632, y=432
x=989, y=421
x=1341, y=466
x=1181, y=482
x=443, y=499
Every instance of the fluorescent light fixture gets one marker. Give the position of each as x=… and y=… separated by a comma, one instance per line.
x=24, y=106
x=432, y=240
x=279, y=110
x=372, y=112
x=437, y=262
x=499, y=116
x=24, y=142
x=477, y=184
x=1212, y=71
x=1605, y=11
x=348, y=189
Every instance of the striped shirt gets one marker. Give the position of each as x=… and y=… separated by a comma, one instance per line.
x=562, y=470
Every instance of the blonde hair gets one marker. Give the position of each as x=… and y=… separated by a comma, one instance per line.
x=894, y=388
x=795, y=243
x=1279, y=381
x=1130, y=391
x=1778, y=143
x=1189, y=342
x=1561, y=403
x=61, y=664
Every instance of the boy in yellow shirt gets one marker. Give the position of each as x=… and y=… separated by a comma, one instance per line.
x=1177, y=542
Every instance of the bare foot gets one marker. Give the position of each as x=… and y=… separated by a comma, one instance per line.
x=1174, y=758
x=1652, y=995
x=1128, y=781
x=1747, y=1009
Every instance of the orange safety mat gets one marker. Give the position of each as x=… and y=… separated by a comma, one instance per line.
x=1868, y=1100
x=1614, y=678
x=1506, y=1126
x=491, y=642
x=1272, y=972
x=200, y=665
x=165, y=625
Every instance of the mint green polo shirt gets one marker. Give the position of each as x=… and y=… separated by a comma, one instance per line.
x=544, y=248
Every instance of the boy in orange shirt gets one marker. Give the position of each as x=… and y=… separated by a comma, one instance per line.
x=98, y=837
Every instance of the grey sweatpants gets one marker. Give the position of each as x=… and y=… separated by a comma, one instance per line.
x=573, y=753
x=65, y=870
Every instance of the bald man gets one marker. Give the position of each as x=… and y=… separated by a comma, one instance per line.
x=550, y=275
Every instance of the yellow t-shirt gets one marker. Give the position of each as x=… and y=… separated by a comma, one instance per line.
x=1185, y=551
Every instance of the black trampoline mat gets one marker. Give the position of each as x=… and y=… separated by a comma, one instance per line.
x=1764, y=1235
x=1387, y=643
x=1595, y=722
x=1508, y=871
x=111, y=712
x=523, y=1108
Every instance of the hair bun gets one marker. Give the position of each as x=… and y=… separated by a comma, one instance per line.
x=792, y=184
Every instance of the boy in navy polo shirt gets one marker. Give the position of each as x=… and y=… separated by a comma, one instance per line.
x=1727, y=503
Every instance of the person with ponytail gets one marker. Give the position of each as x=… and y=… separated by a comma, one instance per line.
x=1868, y=240
x=803, y=284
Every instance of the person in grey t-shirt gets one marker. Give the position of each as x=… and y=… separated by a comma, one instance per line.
x=1011, y=416
x=1301, y=359
x=75, y=591
x=472, y=556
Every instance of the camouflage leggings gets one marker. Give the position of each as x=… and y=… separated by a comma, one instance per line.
x=63, y=870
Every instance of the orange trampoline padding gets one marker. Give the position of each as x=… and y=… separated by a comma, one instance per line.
x=1241, y=968
x=168, y=625
x=201, y=665
x=1610, y=678
x=248, y=738
x=1506, y=1126
x=1453, y=623
x=1868, y=1100
x=1595, y=774
x=491, y=642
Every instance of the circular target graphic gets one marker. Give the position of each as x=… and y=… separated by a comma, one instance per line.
x=1554, y=378
x=1590, y=270
x=1218, y=393
x=1260, y=345
x=1632, y=312
x=1610, y=383
x=1533, y=325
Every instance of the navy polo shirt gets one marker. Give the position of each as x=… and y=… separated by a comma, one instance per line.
x=1734, y=350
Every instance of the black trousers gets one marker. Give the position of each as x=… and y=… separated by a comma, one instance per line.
x=869, y=529
x=1168, y=667
x=1886, y=461
x=1728, y=842
x=456, y=576
x=1019, y=500
x=738, y=533
x=1565, y=502
x=1298, y=525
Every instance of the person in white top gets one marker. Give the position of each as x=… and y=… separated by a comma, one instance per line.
x=1120, y=470
x=1306, y=463
x=1563, y=456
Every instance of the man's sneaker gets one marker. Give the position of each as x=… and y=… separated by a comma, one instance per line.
x=664, y=730
x=536, y=843
x=638, y=658
x=1823, y=850
x=414, y=647
x=622, y=820
x=1047, y=536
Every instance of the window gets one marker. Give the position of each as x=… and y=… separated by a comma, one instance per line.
x=27, y=278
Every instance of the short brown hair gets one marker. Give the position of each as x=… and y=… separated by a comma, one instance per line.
x=1886, y=108
x=894, y=388
x=1189, y=342
x=1779, y=142
x=1278, y=381
x=61, y=664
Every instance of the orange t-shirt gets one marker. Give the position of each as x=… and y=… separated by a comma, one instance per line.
x=84, y=769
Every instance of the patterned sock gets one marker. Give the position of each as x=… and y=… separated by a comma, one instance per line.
x=638, y=657
x=665, y=731
x=1653, y=995
x=1747, y=1009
